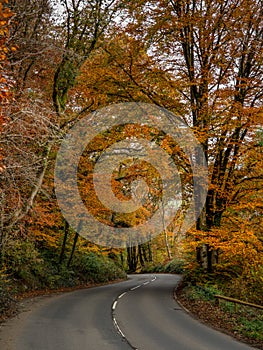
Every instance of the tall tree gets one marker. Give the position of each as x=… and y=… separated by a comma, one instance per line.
x=29, y=123
x=5, y=85
x=32, y=34
x=5, y=81
x=84, y=26
x=122, y=71
x=217, y=64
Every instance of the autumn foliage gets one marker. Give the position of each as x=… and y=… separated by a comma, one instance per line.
x=5, y=16
x=5, y=79
x=202, y=60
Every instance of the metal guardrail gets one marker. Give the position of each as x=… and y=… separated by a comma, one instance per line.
x=236, y=301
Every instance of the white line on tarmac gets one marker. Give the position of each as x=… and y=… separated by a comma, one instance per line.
x=136, y=287
x=120, y=296
x=114, y=305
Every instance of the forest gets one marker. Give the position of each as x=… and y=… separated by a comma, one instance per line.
x=60, y=62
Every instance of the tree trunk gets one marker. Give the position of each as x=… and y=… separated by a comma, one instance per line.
x=63, y=248
x=132, y=258
x=150, y=251
x=167, y=245
x=73, y=249
x=141, y=257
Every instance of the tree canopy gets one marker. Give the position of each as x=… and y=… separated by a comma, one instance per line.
x=200, y=59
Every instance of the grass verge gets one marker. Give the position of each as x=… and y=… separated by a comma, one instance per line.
x=245, y=324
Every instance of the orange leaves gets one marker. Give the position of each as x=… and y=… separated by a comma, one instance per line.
x=257, y=116
x=238, y=248
x=5, y=16
x=45, y=221
x=123, y=71
x=122, y=177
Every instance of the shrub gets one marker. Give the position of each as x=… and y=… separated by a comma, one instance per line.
x=6, y=300
x=30, y=269
x=175, y=266
x=24, y=263
x=96, y=268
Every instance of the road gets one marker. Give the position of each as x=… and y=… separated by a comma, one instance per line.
x=139, y=313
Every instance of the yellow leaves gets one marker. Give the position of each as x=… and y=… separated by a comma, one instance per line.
x=122, y=71
x=47, y=238
x=241, y=247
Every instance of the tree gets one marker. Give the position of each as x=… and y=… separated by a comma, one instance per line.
x=32, y=130
x=5, y=84
x=85, y=26
x=191, y=57
x=5, y=79
x=25, y=139
x=122, y=71
x=32, y=34
x=217, y=64
x=28, y=132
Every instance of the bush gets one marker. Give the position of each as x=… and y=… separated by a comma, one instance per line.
x=96, y=268
x=58, y=276
x=206, y=292
x=24, y=263
x=6, y=300
x=150, y=267
x=28, y=269
x=175, y=266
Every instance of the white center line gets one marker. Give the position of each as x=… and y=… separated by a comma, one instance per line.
x=120, y=296
x=114, y=305
x=136, y=287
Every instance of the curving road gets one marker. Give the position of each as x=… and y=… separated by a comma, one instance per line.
x=139, y=313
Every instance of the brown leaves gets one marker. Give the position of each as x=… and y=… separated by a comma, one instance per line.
x=5, y=82
x=5, y=17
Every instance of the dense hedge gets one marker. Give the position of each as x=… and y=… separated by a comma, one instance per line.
x=27, y=268
x=176, y=266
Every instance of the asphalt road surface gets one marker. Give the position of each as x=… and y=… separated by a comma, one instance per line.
x=139, y=313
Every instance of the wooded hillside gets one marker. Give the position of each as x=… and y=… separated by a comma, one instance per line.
x=199, y=59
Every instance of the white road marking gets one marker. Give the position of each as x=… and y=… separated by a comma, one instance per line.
x=114, y=305
x=118, y=328
x=136, y=287
x=120, y=296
